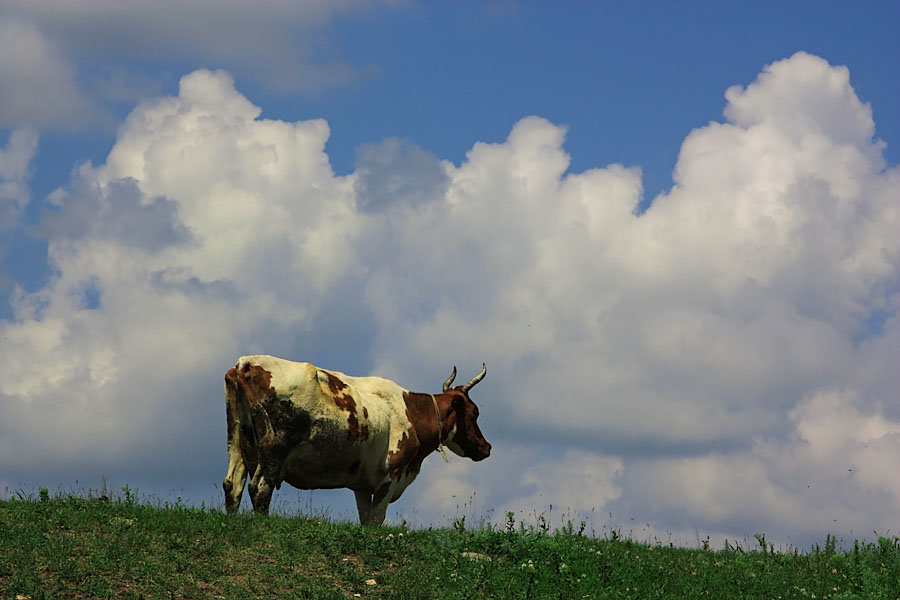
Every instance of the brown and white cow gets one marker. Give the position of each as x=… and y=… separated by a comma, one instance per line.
x=317, y=429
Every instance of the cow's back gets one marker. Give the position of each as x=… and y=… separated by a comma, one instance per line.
x=284, y=374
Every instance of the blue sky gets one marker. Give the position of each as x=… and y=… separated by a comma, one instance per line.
x=398, y=187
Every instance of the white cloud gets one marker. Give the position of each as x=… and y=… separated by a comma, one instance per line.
x=15, y=161
x=38, y=87
x=15, y=193
x=526, y=480
x=834, y=473
x=693, y=363
x=803, y=95
x=578, y=481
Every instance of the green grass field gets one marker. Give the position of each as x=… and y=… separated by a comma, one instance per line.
x=84, y=547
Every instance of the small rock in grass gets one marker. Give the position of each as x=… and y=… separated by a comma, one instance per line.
x=476, y=556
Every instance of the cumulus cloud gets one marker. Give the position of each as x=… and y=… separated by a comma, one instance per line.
x=690, y=365
x=38, y=85
x=804, y=96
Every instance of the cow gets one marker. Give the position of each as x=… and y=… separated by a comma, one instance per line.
x=318, y=429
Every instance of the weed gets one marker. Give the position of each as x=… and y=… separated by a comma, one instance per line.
x=459, y=524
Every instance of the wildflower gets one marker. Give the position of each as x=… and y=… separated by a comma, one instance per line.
x=371, y=582
x=834, y=571
x=717, y=564
x=693, y=573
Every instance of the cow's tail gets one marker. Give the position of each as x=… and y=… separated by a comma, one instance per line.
x=238, y=405
x=242, y=446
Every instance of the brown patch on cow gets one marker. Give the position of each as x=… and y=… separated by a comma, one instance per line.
x=355, y=433
x=252, y=381
x=365, y=413
x=337, y=387
x=406, y=451
x=422, y=439
x=343, y=399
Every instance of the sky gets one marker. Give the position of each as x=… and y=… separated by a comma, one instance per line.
x=669, y=229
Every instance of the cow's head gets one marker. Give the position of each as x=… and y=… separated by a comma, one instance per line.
x=465, y=438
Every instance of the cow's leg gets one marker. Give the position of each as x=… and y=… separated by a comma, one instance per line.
x=260, y=491
x=363, y=505
x=376, y=517
x=235, y=480
x=380, y=502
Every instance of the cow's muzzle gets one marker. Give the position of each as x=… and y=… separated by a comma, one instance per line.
x=483, y=453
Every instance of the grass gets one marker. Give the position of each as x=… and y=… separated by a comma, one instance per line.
x=87, y=547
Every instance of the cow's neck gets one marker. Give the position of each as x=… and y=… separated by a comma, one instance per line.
x=420, y=408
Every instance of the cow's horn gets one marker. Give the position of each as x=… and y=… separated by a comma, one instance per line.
x=475, y=379
x=450, y=379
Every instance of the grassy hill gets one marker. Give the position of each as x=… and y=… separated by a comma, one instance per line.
x=74, y=547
